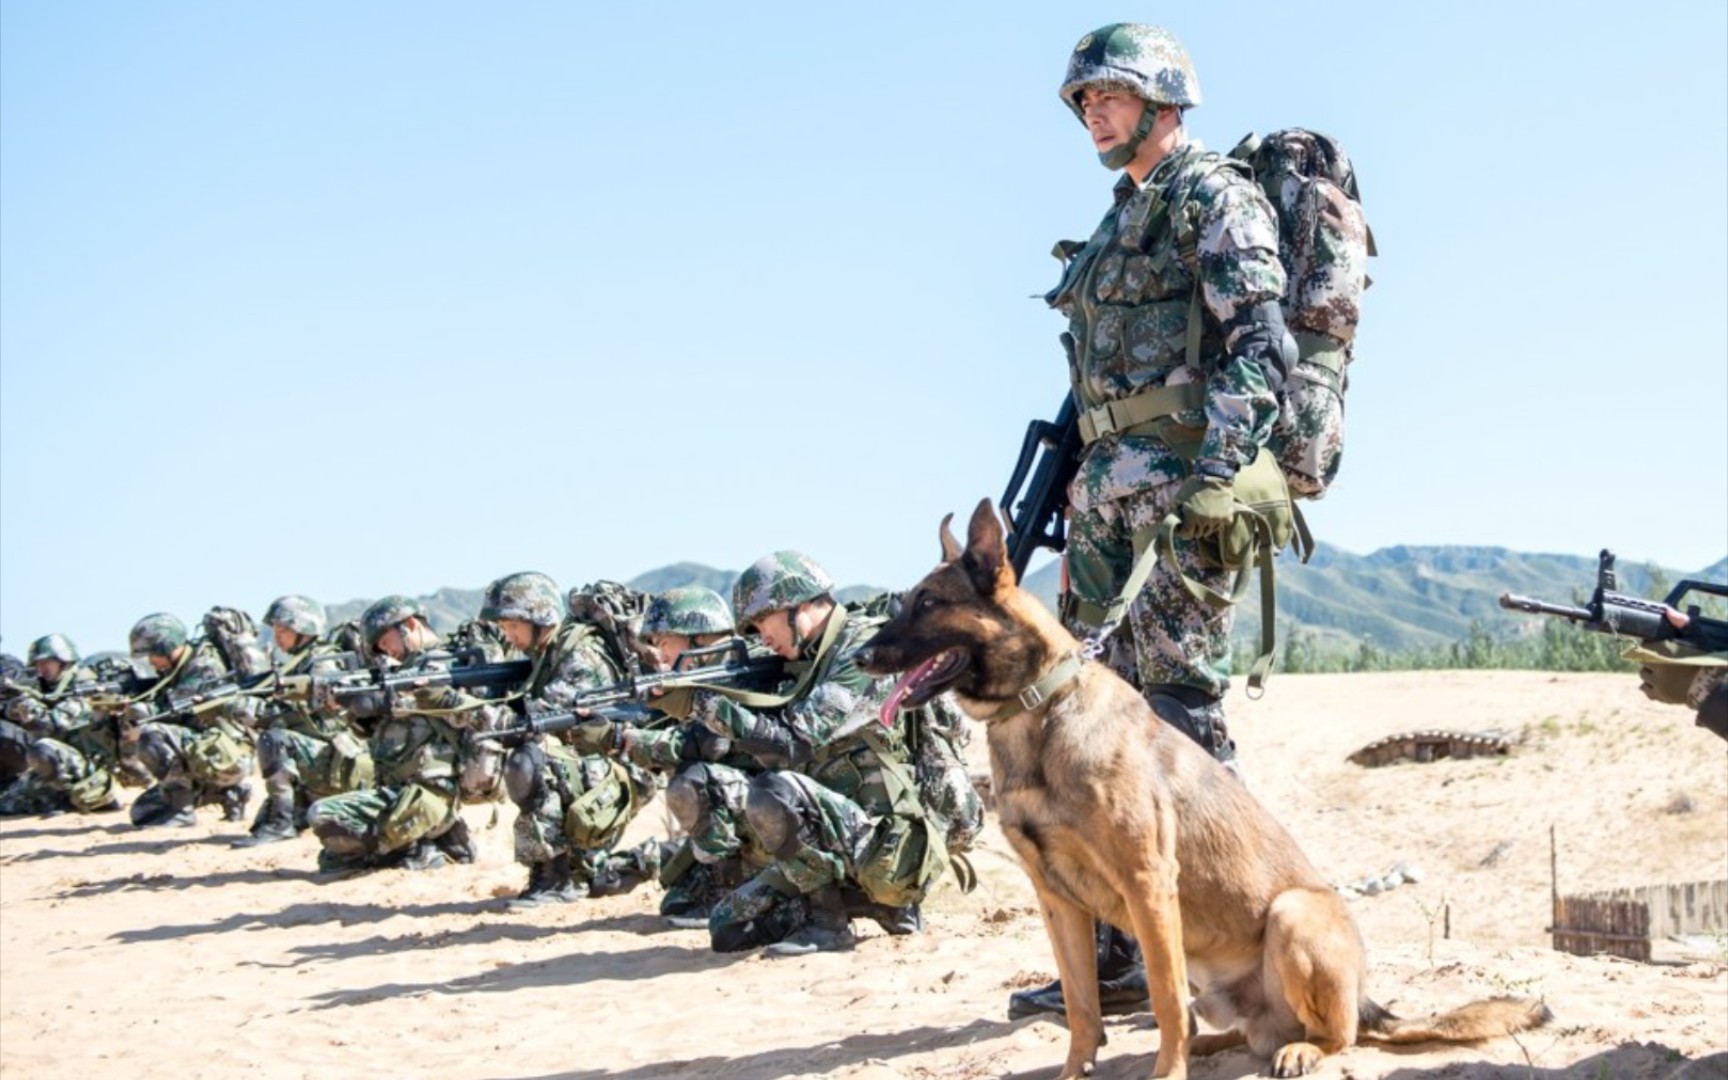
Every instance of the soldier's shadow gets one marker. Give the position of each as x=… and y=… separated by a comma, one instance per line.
x=574, y=969
x=112, y=828
x=157, y=843
x=155, y=882
x=822, y=1058
x=301, y=915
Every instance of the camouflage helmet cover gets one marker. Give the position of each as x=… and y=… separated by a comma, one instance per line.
x=157, y=635
x=1147, y=59
x=390, y=611
x=53, y=647
x=531, y=597
x=690, y=610
x=774, y=582
x=301, y=614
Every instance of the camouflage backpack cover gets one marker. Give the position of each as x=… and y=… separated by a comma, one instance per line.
x=235, y=634
x=1324, y=244
x=616, y=612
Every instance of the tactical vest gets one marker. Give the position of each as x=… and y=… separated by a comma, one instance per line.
x=1129, y=292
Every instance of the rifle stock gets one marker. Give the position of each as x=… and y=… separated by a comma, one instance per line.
x=1036, y=499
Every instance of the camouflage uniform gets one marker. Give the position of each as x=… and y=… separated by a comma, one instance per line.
x=1679, y=674
x=46, y=729
x=838, y=808
x=416, y=749
x=1129, y=293
x=203, y=761
x=572, y=808
x=308, y=750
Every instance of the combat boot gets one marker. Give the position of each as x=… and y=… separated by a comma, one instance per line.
x=896, y=921
x=163, y=806
x=548, y=883
x=828, y=929
x=234, y=800
x=457, y=843
x=424, y=855
x=623, y=872
x=275, y=822
x=1122, y=986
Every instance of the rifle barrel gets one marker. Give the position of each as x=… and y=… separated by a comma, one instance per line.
x=1514, y=602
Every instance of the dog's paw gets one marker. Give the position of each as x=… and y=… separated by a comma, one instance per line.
x=1296, y=1059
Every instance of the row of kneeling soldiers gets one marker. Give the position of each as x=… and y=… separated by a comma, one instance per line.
x=800, y=807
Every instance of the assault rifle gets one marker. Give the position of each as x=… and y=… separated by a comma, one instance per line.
x=1610, y=611
x=347, y=687
x=630, y=701
x=1049, y=455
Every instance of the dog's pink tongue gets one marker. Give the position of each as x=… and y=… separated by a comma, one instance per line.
x=908, y=681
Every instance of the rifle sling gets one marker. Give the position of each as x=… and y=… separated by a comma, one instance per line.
x=807, y=671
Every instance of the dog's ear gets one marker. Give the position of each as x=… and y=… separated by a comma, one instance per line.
x=950, y=546
x=986, y=548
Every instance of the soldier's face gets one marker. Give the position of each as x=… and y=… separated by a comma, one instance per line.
x=286, y=639
x=1111, y=116
x=48, y=669
x=391, y=643
x=667, y=648
x=518, y=632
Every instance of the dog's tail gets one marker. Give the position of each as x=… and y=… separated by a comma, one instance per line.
x=1486, y=1019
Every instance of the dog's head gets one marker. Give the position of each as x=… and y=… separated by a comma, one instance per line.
x=967, y=627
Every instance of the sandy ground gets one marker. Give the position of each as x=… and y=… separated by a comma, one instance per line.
x=151, y=954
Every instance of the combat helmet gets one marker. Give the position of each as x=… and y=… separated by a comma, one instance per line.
x=391, y=611
x=689, y=610
x=301, y=614
x=52, y=647
x=531, y=597
x=157, y=635
x=774, y=582
x=1148, y=59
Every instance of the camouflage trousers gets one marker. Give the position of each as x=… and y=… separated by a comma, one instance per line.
x=311, y=768
x=946, y=790
x=77, y=777
x=707, y=800
x=814, y=837
x=571, y=803
x=193, y=767
x=1175, y=638
x=383, y=820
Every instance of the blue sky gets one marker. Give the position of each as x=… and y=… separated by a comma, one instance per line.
x=346, y=299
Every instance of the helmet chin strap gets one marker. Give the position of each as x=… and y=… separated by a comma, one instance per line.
x=1118, y=157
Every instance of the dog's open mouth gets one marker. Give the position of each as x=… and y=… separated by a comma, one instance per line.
x=923, y=683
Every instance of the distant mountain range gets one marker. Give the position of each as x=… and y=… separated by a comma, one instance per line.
x=1399, y=598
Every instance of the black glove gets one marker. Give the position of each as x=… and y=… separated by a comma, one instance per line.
x=701, y=744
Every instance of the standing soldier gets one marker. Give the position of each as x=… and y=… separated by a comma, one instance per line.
x=572, y=808
x=411, y=817
x=308, y=751
x=206, y=760
x=1176, y=374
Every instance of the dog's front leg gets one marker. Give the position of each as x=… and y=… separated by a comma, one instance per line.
x=1157, y=917
x=1073, y=936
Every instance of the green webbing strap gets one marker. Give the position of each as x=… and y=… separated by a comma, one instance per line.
x=1122, y=417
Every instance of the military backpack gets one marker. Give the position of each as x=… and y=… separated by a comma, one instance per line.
x=235, y=634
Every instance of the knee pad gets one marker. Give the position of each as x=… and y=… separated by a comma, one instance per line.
x=157, y=751
x=522, y=772
x=773, y=811
x=687, y=798
x=1195, y=714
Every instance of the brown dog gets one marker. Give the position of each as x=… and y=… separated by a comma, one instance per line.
x=1118, y=817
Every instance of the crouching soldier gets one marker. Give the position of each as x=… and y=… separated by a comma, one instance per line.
x=411, y=817
x=710, y=781
x=572, y=807
x=51, y=729
x=307, y=751
x=207, y=759
x=836, y=808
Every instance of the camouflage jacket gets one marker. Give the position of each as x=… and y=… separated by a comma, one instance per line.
x=576, y=660
x=53, y=712
x=1128, y=292
x=829, y=731
x=303, y=717
x=420, y=739
x=202, y=666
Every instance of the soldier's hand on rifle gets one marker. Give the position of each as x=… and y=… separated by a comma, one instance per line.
x=701, y=744
x=596, y=735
